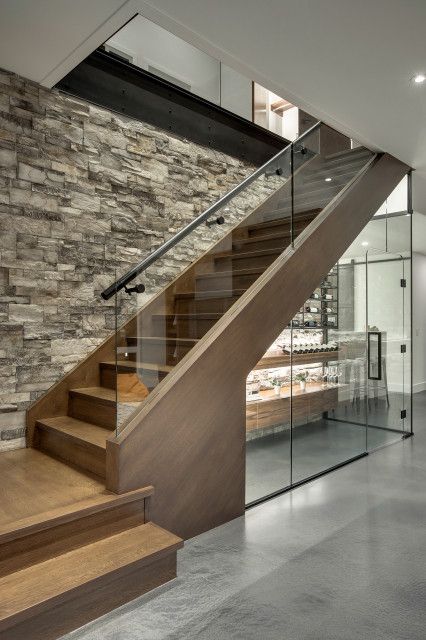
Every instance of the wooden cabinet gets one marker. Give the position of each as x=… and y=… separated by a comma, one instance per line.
x=271, y=410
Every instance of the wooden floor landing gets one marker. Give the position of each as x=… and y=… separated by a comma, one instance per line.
x=33, y=483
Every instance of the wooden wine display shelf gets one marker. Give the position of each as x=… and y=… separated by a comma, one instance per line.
x=273, y=359
x=272, y=410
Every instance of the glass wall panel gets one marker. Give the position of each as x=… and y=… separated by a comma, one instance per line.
x=328, y=385
x=268, y=423
x=338, y=379
x=385, y=339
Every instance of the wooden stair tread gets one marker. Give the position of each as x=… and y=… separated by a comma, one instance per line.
x=233, y=272
x=39, y=587
x=164, y=339
x=77, y=429
x=68, y=513
x=103, y=395
x=131, y=365
x=189, y=316
x=250, y=254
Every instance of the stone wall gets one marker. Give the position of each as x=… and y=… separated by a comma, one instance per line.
x=84, y=194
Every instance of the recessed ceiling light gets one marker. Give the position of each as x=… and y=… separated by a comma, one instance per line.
x=364, y=244
x=328, y=179
x=419, y=78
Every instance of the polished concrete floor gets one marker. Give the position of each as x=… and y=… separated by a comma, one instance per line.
x=340, y=558
x=316, y=447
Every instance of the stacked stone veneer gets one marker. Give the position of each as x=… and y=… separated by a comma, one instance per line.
x=84, y=194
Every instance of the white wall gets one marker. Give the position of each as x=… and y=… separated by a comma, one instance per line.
x=151, y=45
x=397, y=200
x=236, y=92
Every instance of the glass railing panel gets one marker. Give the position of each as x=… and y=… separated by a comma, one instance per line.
x=172, y=314
x=191, y=282
x=318, y=180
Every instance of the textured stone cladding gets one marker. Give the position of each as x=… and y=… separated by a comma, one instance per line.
x=84, y=194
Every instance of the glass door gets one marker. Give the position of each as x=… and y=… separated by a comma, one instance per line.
x=388, y=347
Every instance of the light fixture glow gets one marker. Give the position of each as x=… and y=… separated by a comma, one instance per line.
x=364, y=244
x=328, y=179
x=419, y=78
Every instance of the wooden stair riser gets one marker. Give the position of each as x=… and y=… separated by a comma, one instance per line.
x=182, y=328
x=62, y=537
x=272, y=226
x=236, y=280
x=236, y=262
x=204, y=305
x=89, y=603
x=269, y=242
x=162, y=352
x=338, y=177
x=92, y=602
x=80, y=453
x=91, y=410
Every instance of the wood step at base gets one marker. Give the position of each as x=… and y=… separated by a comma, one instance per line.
x=189, y=325
x=75, y=441
x=281, y=224
x=148, y=374
x=51, y=598
x=256, y=259
x=203, y=302
x=46, y=535
x=242, y=279
x=159, y=349
x=99, y=405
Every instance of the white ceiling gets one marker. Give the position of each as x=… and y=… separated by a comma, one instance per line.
x=348, y=62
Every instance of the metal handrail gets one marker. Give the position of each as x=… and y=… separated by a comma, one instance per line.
x=203, y=217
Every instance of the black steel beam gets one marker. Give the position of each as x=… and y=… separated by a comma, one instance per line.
x=108, y=81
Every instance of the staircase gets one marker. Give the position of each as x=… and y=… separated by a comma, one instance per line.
x=161, y=405
x=80, y=436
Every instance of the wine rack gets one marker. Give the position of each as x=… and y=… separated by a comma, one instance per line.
x=321, y=310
